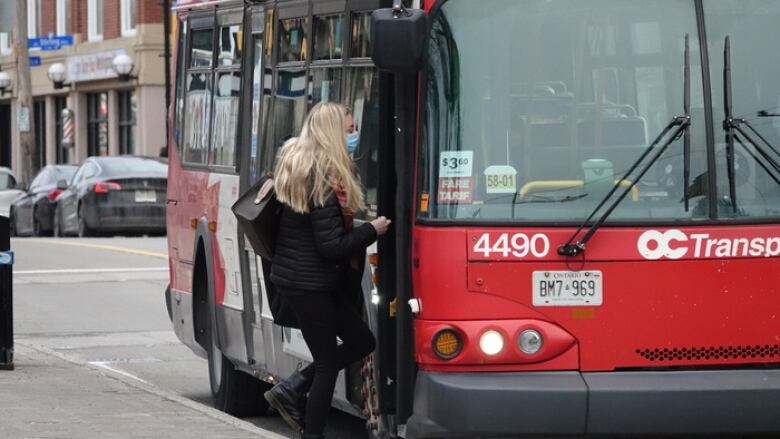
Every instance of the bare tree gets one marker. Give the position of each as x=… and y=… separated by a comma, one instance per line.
x=30, y=159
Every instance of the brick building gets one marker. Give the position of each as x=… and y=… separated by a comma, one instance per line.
x=110, y=116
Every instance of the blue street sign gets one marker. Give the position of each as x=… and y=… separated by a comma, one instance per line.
x=35, y=61
x=7, y=258
x=50, y=42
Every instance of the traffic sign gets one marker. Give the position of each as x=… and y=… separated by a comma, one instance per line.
x=50, y=42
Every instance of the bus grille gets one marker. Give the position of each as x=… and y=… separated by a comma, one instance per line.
x=712, y=352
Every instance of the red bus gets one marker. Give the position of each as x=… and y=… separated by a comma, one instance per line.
x=585, y=195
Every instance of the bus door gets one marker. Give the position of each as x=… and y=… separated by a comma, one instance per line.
x=302, y=56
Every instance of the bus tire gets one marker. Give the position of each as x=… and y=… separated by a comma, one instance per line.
x=234, y=392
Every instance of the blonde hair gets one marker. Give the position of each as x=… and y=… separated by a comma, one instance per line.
x=309, y=167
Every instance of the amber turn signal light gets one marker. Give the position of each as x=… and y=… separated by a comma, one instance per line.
x=447, y=344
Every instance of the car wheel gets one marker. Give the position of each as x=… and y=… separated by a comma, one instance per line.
x=84, y=229
x=36, y=224
x=55, y=229
x=12, y=224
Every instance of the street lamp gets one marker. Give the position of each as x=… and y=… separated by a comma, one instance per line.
x=123, y=66
x=57, y=75
x=5, y=83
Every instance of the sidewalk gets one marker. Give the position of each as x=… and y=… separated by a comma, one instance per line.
x=51, y=396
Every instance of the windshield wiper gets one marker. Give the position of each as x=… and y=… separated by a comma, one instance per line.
x=678, y=126
x=732, y=126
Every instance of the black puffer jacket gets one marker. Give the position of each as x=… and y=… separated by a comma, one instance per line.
x=311, y=249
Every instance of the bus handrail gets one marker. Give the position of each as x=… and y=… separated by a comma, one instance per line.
x=532, y=186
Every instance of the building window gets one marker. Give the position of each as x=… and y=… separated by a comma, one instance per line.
x=34, y=18
x=63, y=16
x=127, y=132
x=5, y=43
x=95, y=20
x=97, y=124
x=129, y=17
x=60, y=104
x=39, y=114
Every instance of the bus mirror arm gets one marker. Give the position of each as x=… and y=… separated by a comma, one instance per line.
x=679, y=125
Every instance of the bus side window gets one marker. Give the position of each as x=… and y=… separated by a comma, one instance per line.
x=362, y=95
x=198, y=97
x=181, y=51
x=289, y=102
x=227, y=88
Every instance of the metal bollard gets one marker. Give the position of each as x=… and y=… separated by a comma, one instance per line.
x=6, y=298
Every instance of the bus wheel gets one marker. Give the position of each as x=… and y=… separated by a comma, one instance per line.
x=377, y=425
x=234, y=392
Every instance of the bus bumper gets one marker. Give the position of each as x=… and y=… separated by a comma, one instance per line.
x=573, y=403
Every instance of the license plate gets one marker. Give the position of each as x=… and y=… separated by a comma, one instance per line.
x=145, y=196
x=567, y=288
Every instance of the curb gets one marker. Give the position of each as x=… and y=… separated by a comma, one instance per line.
x=165, y=394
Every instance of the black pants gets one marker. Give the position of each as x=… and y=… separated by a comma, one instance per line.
x=322, y=317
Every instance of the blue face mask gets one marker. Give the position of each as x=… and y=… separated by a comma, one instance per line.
x=353, y=140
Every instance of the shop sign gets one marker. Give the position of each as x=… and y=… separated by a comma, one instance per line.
x=92, y=66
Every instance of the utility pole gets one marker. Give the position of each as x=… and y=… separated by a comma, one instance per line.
x=24, y=108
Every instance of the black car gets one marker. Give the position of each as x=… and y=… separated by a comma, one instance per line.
x=114, y=195
x=33, y=212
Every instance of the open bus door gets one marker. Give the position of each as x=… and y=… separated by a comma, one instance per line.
x=397, y=46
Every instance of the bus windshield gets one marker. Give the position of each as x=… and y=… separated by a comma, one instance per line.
x=534, y=109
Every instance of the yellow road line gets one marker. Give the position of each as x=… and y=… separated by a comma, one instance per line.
x=114, y=248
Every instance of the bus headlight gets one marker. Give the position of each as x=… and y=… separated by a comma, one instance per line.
x=491, y=342
x=447, y=344
x=530, y=341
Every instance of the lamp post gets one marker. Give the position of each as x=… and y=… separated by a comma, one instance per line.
x=123, y=66
x=5, y=83
x=57, y=75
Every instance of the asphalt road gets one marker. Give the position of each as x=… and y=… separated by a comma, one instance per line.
x=101, y=300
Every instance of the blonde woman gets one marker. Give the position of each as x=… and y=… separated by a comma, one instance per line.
x=315, y=183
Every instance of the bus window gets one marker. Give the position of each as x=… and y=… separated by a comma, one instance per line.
x=326, y=85
x=328, y=37
x=181, y=52
x=361, y=26
x=293, y=44
x=202, y=48
x=196, y=125
x=510, y=139
x=226, y=98
x=257, y=92
x=287, y=113
x=753, y=33
x=229, y=46
x=362, y=95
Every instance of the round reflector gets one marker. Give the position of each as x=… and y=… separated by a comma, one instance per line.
x=446, y=344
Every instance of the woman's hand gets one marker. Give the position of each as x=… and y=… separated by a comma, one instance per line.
x=381, y=225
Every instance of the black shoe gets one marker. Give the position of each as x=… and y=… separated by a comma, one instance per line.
x=312, y=436
x=288, y=399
